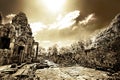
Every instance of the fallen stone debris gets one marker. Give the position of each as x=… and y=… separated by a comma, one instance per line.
x=101, y=52
x=19, y=57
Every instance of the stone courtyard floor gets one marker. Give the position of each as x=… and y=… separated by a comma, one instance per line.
x=64, y=73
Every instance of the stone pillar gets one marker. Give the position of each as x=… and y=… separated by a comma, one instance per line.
x=37, y=45
x=12, y=47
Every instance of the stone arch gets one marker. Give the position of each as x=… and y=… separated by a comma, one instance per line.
x=21, y=39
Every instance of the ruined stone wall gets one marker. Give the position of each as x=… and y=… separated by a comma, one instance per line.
x=16, y=40
x=102, y=53
x=24, y=40
x=5, y=56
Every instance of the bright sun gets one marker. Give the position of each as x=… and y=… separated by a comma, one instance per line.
x=54, y=5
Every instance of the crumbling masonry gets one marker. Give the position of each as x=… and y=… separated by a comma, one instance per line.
x=100, y=52
x=17, y=44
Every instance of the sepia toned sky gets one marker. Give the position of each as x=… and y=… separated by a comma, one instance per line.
x=40, y=15
x=105, y=10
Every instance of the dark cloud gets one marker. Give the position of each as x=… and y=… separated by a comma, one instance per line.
x=105, y=10
x=10, y=6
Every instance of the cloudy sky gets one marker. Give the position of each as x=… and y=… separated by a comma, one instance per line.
x=105, y=10
x=57, y=20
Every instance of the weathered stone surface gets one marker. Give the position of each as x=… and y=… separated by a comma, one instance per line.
x=101, y=52
x=16, y=41
x=66, y=73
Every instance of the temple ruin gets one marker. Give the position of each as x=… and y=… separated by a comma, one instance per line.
x=16, y=41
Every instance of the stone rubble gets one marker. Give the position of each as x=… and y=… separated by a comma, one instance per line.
x=101, y=52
